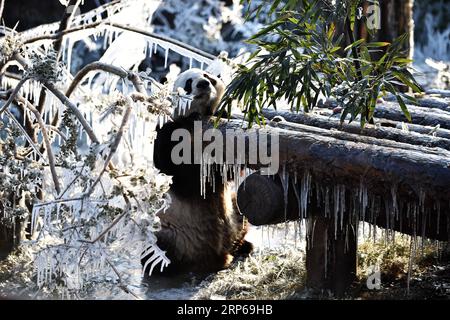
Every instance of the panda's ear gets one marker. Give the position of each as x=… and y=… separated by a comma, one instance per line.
x=211, y=79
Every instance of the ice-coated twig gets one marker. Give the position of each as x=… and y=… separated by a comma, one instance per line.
x=126, y=28
x=120, y=72
x=25, y=134
x=107, y=229
x=113, y=149
x=48, y=146
x=138, y=97
x=137, y=82
x=55, y=129
x=65, y=101
x=122, y=285
x=48, y=203
x=71, y=183
x=13, y=94
x=2, y=6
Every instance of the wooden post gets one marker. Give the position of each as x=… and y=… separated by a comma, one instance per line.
x=9, y=238
x=330, y=255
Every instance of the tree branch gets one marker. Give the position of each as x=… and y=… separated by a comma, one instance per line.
x=14, y=94
x=126, y=28
x=48, y=147
x=122, y=285
x=122, y=73
x=2, y=6
x=114, y=147
x=58, y=94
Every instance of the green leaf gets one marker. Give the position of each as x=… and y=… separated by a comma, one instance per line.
x=266, y=30
x=354, y=44
x=407, y=81
x=377, y=44
x=403, y=107
x=274, y=6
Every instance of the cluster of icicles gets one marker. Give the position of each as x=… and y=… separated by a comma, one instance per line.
x=357, y=204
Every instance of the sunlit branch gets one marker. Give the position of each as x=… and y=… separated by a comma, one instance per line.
x=120, y=72
x=126, y=28
x=113, y=149
x=65, y=101
x=14, y=94
x=48, y=147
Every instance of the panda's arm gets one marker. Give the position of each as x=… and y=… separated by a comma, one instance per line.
x=162, y=153
x=163, y=148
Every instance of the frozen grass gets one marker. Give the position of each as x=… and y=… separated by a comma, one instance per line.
x=271, y=274
x=393, y=257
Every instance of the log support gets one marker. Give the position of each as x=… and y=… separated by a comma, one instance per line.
x=330, y=255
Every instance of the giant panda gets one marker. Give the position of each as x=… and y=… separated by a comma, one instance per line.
x=198, y=234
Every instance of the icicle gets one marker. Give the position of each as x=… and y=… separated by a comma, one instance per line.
x=285, y=183
x=166, y=56
x=150, y=49
x=34, y=217
x=297, y=196
x=69, y=55
x=305, y=189
x=327, y=201
x=412, y=254
x=25, y=113
x=342, y=205
x=336, y=204
x=438, y=210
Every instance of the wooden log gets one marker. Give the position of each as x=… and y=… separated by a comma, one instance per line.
x=260, y=210
x=394, y=134
x=419, y=115
x=346, y=161
x=433, y=132
x=426, y=103
x=368, y=134
x=441, y=92
x=264, y=206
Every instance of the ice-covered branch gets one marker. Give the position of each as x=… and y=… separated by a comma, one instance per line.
x=22, y=130
x=2, y=6
x=122, y=285
x=48, y=147
x=175, y=43
x=58, y=94
x=120, y=72
x=14, y=94
x=106, y=230
x=113, y=148
x=137, y=82
x=57, y=131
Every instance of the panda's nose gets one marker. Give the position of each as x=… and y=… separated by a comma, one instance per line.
x=203, y=84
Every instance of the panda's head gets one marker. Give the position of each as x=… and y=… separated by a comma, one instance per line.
x=206, y=89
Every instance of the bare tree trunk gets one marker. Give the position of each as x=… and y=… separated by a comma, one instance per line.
x=397, y=19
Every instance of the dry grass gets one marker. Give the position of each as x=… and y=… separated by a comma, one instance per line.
x=271, y=274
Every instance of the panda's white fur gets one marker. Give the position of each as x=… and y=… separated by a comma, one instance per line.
x=205, y=88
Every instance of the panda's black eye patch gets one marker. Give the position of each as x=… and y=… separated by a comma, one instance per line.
x=188, y=86
x=211, y=79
